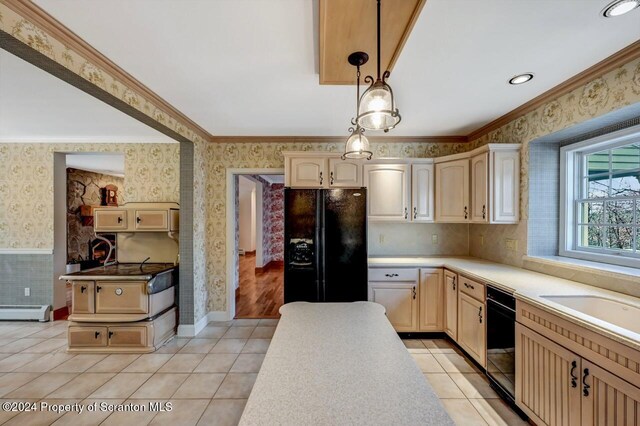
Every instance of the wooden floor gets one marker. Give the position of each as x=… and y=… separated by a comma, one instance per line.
x=260, y=294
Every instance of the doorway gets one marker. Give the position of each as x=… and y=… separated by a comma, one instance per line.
x=258, y=290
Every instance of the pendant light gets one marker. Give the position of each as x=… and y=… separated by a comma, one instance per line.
x=357, y=146
x=377, y=110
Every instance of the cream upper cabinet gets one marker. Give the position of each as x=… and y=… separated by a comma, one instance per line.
x=422, y=186
x=452, y=191
x=400, y=300
x=107, y=219
x=152, y=220
x=431, y=296
x=480, y=188
x=388, y=191
x=451, y=304
x=345, y=173
x=471, y=327
x=505, y=186
x=308, y=172
x=548, y=380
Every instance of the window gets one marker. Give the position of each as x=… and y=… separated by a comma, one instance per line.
x=601, y=199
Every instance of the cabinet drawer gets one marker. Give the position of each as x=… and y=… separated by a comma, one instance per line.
x=87, y=336
x=82, y=297
x=110, y=220
x=472, y=288
x=128, y=336
x=152, y=220
x=119, y=297
x=393, y=274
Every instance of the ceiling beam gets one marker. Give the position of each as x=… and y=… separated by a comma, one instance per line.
x=347, y=26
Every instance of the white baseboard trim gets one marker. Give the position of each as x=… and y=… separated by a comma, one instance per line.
x=192, y=330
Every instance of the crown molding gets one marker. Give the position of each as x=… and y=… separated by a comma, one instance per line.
x=336, y=139
x=38, y=16
x=614, y=61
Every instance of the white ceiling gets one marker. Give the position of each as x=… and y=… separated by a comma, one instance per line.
x=35, y=106
x=249, y=67
x=108, y=164
x=273, y=178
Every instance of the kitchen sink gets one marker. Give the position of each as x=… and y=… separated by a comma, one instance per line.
x=608, y=310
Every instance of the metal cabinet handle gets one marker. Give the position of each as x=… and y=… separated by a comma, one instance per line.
x=480, y=314
x=574, y=379
x=466, y=212
x=138, y=220
x=97, y=334
x=484, y=211
x=331, y=178
x=110, y=334
x=98, y=288
x=83, y=288
x=406, y=213
x=119, y=219
x=585, y=386
x=390, y=275
x=321, y=178
x=469, y=286
x=454, y=283
x=414, y=292
x=415, y=212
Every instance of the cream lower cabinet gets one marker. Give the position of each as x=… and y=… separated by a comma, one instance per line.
x=451, y=304
x=471, y=327
x=431, y=295
x=400, y=299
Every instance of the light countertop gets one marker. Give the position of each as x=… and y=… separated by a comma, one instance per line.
x=527, y=286
x=340, y=363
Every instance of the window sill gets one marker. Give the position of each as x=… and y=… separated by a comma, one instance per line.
x=602, y=269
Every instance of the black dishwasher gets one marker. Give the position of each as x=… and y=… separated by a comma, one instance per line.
x=501, y=361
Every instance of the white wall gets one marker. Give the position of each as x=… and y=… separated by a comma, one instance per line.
x=247, y=214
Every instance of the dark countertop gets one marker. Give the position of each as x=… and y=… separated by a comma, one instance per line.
x=125, y=271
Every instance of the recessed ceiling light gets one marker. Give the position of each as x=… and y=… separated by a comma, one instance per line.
x=620, y=7
x=521, y=78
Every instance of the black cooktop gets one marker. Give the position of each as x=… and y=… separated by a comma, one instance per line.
x=125, y=270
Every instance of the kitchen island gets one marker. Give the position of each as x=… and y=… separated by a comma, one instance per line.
x=340, y=363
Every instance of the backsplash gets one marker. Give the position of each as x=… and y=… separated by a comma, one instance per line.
x=417, y=239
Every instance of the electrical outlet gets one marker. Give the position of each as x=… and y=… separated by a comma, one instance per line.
x=27, y=291
x=434, y=239
x=511, y=244
x=381, y=238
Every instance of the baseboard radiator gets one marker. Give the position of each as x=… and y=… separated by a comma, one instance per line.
x=25, y=312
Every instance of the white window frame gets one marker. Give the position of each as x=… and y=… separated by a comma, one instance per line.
x=570, y=181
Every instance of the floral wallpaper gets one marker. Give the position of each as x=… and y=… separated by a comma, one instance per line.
x=273, y=219
x=614, y=90
x=152, y=173
x=83, y=188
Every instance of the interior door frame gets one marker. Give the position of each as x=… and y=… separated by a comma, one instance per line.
x=231, y=276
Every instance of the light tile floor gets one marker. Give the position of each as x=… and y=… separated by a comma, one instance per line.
x=207, y=379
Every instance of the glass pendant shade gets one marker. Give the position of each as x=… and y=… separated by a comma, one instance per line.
x=377, y=109
x=357, y=147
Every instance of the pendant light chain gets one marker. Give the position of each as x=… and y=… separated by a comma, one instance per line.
x=378, y=35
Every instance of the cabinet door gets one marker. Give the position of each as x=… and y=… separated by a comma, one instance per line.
x=120, y=297
x=128, y=336
x=83, y=297
x=431, y=300
x=308, y=173
x=505, y=207
x=387, y=192
x=548, y=381
x=87, y=336
x=480, y=188
x=607, y=399
x=451, y=304
x=471, y=327
x=110, y=220
x=452, y=191
x=152, y=220
x=345, y=173
x=400, y=300
x=422, y=193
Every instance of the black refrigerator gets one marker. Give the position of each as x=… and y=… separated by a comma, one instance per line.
x=325, y=233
